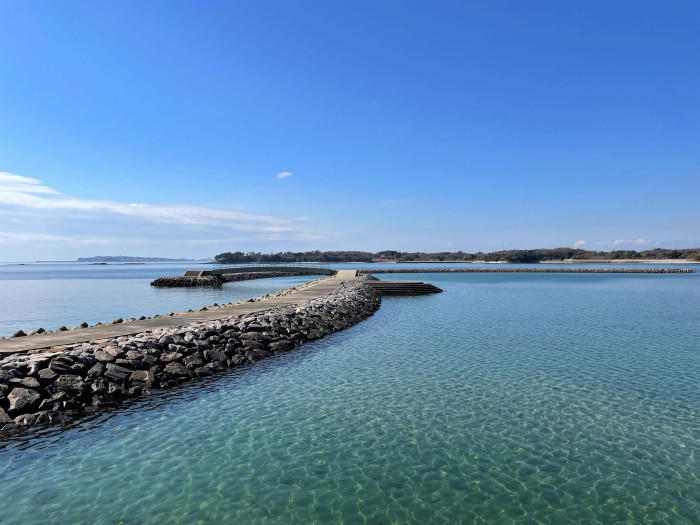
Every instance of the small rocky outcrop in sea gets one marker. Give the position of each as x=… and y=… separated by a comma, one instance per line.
x=177, y=281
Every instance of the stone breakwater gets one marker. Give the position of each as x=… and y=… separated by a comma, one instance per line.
x=40, y=331
x=57, y=385
x=529, y=270
x=178, y=281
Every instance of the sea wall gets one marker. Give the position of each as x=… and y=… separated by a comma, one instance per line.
x=54, y=387
x=528, y=270
x=178, y=281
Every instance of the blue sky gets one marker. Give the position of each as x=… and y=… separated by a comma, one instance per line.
x=160, y=128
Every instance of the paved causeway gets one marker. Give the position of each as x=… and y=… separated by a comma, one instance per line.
x=94, y=333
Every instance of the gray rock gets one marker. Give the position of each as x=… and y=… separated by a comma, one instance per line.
x=194, y=360
x=117, y=372
x=253, y=345
x=23, y=400
x=281, y=345
x=25, y=420
x=61, y=365
x=43, y=418
x=97, y=370
x=71, y=385
x=103, y=357
x=172, y=356
x=175, y=368
x=26, y=382
x=144, y=376
x=4, y=418
x=19, y=333
x=47, y=375
x=84, y=325
x=113, y=351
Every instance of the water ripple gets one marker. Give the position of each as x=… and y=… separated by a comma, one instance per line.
x=499, y=401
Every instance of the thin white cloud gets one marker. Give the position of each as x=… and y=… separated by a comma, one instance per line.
x=44, y=238
x=16, y=183
x=629, y=241
x=25, y=192
x=618, y=242
x=284, y=174
x=580, y=243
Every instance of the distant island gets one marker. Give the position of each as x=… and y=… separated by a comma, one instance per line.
x=126, y=259
x=508, y=256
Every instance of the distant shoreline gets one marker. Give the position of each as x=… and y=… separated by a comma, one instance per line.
x=561, y=261
x=623, y=261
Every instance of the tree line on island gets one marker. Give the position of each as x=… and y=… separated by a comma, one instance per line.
x=511, y=256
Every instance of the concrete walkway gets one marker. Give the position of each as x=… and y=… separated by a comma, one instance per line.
x=94, y=333
x=346, y=275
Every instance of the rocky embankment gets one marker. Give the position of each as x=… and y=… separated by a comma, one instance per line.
x=178, y=281
x=529, y=270
x=57, y=385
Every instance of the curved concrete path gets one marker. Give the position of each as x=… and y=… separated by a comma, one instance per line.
x=95, y=333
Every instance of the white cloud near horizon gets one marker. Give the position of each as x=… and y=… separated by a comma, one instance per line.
x=25, y=192
x=41, y=238
x=284, y=174
x=618, y=242
x=632, y=241
x=580, y=243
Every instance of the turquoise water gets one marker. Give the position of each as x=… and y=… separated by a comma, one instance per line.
x=507, y=398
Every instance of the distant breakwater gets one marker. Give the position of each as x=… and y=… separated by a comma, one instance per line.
x=178, y=281
x=54, y=386
x=529, y=270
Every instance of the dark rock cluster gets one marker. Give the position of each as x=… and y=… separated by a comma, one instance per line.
x=213, y=280
x=55, y=386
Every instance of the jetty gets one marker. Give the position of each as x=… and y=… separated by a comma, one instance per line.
x=102, y=367
x=310, y=291
x=306, y=292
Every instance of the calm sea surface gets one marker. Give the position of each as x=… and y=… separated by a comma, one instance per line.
x=508, y=398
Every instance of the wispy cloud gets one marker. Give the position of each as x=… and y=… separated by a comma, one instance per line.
x=618, y=242
x=25, y=192
x=284, y=174
x=44, y=238
x=630, y=241
x=580, y=243
x=16, y=183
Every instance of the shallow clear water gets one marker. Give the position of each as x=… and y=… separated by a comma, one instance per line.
x=527, y=398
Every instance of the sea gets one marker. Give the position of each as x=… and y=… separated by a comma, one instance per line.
x=508, y=398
